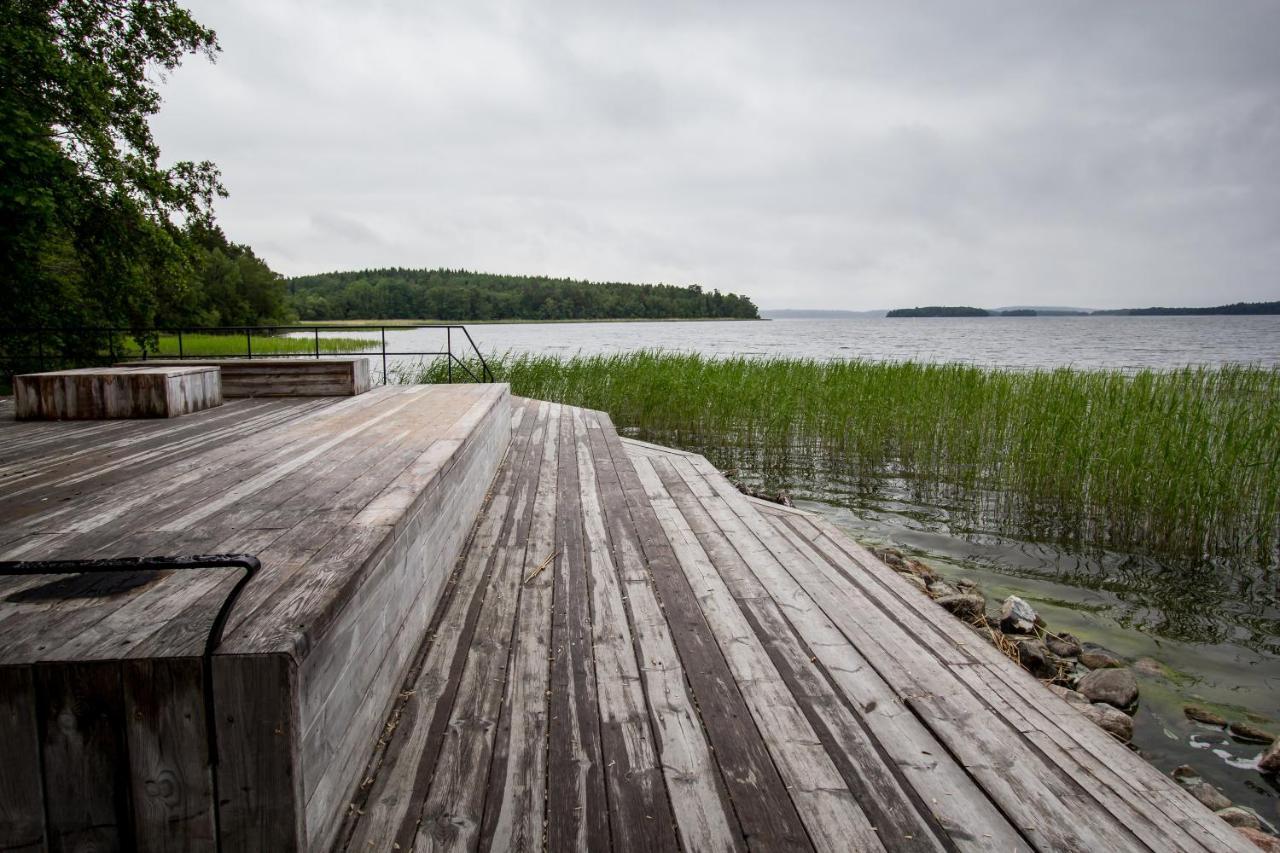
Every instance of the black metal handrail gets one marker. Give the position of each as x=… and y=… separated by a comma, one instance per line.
x=247, y=563
x=46, y=350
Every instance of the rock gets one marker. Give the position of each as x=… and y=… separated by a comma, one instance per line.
x=905, y=565
x=1204, y=715
x=916, y=581
x=942, y=589
x=1063, y=645
x=1148, y=666
x=1240, y=818
x=1184, y=772
x=967, y=607
x=1017, y=617
x=1117, y=723
x=1260, y=839
x=1116, y=687
x=1270, y=760
x=1075, y=697
x=1250, y=734
x=1096, y=657
x=966, y=584
x=1211, y=797
x=1035, y=658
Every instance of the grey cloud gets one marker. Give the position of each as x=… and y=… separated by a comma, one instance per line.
x=843, y=155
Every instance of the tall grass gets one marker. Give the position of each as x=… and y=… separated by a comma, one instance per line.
x=1181, y=463
x=213, y=345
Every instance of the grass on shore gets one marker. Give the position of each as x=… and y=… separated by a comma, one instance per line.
x=211, y=345
x=1181, y=463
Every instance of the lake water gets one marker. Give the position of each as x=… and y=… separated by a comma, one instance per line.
x=1124, y=343
x=1220, y=644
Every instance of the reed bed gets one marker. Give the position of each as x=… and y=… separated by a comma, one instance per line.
x=1179, y=463
x=212, y=345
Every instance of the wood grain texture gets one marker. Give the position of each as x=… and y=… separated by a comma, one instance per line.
x=116, y=392
x=281, y=377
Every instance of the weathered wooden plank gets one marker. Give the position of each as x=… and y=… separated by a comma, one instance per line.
x=704, y=817
x=577, y=811
x=640, y=815
x=1139, y=778
x=259, y=784
x=115, y=392
x=170, y=777
x=83, y=757
x=515, y=803
x=899, y=816
x=1051, y=807
x=21, y=795
x=453, y=812
x=764, y=808
x=282, y=377
x=826, y=806
x=401, y=776
x=969, y=818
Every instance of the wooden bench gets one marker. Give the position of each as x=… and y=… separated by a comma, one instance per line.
x=285, y=377
x=132, y=391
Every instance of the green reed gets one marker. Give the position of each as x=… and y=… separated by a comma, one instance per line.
x=1174, y=462
x=215, y=345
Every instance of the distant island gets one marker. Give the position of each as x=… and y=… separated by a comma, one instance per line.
x=1237, y=309
x=462, y=295
x=940, y=311
x=817, y=314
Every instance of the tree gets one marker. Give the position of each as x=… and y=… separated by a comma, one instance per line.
x=93, y=229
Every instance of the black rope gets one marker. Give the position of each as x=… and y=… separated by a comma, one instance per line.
x=248, y=563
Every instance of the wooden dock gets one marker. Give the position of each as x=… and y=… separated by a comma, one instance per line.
x=610, y=648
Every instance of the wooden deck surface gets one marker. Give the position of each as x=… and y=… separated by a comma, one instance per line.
x=633, y=655
x=357, y=508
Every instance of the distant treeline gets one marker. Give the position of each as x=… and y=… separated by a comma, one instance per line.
x=444, y=294
x=1235, y=309
x=940, y=311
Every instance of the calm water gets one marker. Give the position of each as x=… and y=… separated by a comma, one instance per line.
x=1221, y=645
x=1108, y=342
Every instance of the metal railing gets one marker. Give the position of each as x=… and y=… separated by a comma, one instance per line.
x=54, y=348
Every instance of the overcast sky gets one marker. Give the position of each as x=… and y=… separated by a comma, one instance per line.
x=815, y=155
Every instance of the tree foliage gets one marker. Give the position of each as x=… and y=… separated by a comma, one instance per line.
x=93, y=229
x=446, y=294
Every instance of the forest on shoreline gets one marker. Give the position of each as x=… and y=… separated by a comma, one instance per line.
x=462, y=295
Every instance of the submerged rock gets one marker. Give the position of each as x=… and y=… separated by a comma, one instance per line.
x=1096, y=657
x=966, y=584
x=1063, y=645
x=1211, y=797
x=1270, y=760
x=1185, y=772
x=1239, y=817
x=1114, y=722
x=1149, y=666
x=1249, y=733
x=1204, y=715
x=1017, y=617
x=1116, y=687
x=967, y=607
x=1260, y=839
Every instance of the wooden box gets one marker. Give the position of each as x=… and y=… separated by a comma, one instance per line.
x=98, y=393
